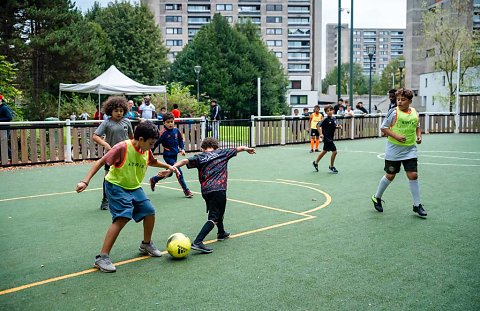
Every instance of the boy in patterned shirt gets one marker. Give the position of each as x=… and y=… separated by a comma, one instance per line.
x=212, y=174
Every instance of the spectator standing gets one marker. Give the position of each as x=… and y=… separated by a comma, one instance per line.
x=337, y=106
x=305, y=112
x=175, y=111
x=215, y=117
x=147, y=109
x=98, y=114
x=162, y=112
x=131, y=114
x=363, y=109
x=393, y=99
x=6, y=115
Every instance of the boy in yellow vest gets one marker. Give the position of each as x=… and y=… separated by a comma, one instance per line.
x=403, y=130
x=314, y=118
x=128, y=161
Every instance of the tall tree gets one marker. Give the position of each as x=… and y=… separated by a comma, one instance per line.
x=384, y=84
x=231, y=60
x=446, y=33
x=137, y=47
x=50, y=43
x=360, y=84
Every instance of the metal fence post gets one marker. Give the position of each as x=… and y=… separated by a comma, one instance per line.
x=203, y=126
x=282, y=134
x=252, y=131
x=68, y=157
x=352, y=129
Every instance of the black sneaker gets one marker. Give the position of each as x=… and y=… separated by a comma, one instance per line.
x=333, y=169
x=377, y=203
x=315, y=165
x=223, y=236
x=152, y=184
x=419, y=210
x=104, y=206
x=201, y=247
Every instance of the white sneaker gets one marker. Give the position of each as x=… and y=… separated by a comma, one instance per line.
x=104, y=263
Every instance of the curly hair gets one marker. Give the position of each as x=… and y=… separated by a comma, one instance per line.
x=209, y=142
x=405, y=93
x=146, y=130
x=114, y=102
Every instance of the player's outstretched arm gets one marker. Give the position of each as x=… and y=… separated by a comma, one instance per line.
x=170, y=168
x=181, y=163
x=247, y=149
x=82, y=185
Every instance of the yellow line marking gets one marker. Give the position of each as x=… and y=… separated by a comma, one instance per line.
x=45, y=195
x=305, y=216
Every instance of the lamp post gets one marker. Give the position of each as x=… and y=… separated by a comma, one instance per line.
x=401, y=65
x=370, y=51
x=197, y=71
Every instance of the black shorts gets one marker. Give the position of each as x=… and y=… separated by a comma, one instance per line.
x=314, y=133
x=107, y=167
x=216, y=202
x=329, y=146
x=393, y=167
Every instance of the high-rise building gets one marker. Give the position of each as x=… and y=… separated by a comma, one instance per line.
x=389, y=44
x=290, y=28
x=419, y=59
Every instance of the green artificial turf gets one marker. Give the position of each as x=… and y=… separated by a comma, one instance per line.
x=348, y=257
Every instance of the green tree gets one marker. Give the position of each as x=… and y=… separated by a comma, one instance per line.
x=360, y=82
x=137, y=48
x=179, y=94
x=446, y=33
x=384, y=84
x=51, y=43
x=231, y=60
x=7, y=85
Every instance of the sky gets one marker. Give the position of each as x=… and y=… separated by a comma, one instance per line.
x=367, y=14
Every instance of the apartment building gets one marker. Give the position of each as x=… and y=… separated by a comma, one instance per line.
x=389, y=44
x=290, y=28
x=419, y=59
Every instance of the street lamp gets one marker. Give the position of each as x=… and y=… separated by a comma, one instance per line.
x=401, y=65
x=197, y=71
x=370, y=51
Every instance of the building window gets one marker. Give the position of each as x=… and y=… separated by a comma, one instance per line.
x=298, y=67
x=298, y=44
x=443, y=80
x=198, y=8
x=199, y=20
x=174, y=31
x=274, y=42
x=224, y=7
x=249, y=8
x=173, y=19
x=298, y=99
x=278, y=54
x=274, y=19
x=173, y=7
x=274, y=31
x=299, y=20
x=304, y=32
x=193, y=31
x=426, y=82
x=274, y=7
x=295, y=85
x=298, y=55
x=174, y=42
x=298, y=9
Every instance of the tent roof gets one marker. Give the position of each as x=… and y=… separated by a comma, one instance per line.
x=112, y=81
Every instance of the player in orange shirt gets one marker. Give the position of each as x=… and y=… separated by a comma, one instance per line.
x=315, y=117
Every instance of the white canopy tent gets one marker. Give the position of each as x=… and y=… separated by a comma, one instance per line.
x=112, y=81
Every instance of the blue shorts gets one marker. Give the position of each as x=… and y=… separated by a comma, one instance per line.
x=131, y=204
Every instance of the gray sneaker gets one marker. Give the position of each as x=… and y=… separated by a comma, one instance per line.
x=149, y=249
x=104, y=263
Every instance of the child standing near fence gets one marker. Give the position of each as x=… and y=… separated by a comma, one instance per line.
x=403, y=130
x=116, y=128
x=172, y=141
x=314, y=118
x=212, y=174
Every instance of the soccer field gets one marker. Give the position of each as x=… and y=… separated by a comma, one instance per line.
x=301, y=239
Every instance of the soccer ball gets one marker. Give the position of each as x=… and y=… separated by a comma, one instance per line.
x=178, y=245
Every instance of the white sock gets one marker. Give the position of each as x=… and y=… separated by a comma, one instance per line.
x=415, y=190
x=382, y=186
